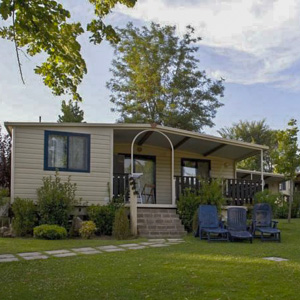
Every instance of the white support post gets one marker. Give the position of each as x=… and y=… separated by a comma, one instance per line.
x=133, y=211
x=262, y=169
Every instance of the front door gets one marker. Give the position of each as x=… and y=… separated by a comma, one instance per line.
x=146, y=183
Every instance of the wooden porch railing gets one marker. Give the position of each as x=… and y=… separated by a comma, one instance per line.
x=236, y=191
x=121, y=186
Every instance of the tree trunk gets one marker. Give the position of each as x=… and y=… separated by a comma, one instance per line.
x=291, y=200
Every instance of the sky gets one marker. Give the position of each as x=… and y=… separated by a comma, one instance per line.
x=252, y=44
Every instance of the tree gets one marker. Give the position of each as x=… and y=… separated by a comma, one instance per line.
x=41, y=26
x=155, y=79
x=5, y=159
x=70, y=112
x=257, y=132
x=287, y=157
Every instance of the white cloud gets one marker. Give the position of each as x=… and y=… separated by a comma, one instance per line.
x=260, y=38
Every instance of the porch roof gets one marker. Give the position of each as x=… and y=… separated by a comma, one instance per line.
x=256, y=175
x=181, y=139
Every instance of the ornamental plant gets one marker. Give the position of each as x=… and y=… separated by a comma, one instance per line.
x=87, y=229
x=56, y=200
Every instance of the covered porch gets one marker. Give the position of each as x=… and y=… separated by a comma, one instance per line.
x=166, y=161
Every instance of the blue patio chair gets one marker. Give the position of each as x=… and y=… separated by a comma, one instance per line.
x=263, y=223
x=208, y=223
x=237, y=224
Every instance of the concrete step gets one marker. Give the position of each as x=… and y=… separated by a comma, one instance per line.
x=159, y=222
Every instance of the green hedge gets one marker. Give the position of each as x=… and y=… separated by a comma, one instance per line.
x=50, y=232
x=25, y=216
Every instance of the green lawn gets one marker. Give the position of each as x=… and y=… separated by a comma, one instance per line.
x=193, y=270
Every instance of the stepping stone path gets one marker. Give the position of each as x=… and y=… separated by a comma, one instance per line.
x=275, y=258
x=154, y=243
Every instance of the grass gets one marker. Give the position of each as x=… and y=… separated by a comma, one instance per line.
x=193, y=270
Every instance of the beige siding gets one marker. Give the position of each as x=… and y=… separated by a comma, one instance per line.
x=29, y=163
x=220, y=168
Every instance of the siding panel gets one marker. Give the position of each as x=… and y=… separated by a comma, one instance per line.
x=29, y=164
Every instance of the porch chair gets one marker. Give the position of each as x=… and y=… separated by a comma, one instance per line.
x=263, y=223
x=237, y=224
x=148, y=193
x=208, y=223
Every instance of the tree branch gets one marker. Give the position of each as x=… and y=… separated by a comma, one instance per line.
x=16, y=45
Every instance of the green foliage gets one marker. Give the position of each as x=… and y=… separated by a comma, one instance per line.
x=25, y=216
x=104, y=215
x=155, y=79
x=70, y=113
x=5, y=160
x=279, y=203
x=188, y=203
x=121, y=230
x=41, y=26
x=266, y=196
x=56, y=200
x=257, y=132
x=50, y=232
x=87, y=229
x=287, y=156
x=4, y=194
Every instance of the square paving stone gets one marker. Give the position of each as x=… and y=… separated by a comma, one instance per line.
x=157, y=240
x=159, y=245
x=35, y=257
x=114, y=250
x=7, y=258
x=275, y=258
x=65, y=254
x=129, y=245
x=62, y=251
x=109, y=247
x=176, y=240
x=147, y=243
x=136, y=247
x=30, y=254
x=87, y=250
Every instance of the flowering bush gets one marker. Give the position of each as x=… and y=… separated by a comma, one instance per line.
x=87, y=229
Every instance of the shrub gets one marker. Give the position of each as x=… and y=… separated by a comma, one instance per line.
x=87, y=229
x=121, y=228
x=50, y=232
x=25, y=216
x=267, y=196
x=188, y=203
x=4, y=194
x=56, y=200
x=104, y=215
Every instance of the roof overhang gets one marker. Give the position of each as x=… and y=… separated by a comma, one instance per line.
x=256, y=175
x=206, y=145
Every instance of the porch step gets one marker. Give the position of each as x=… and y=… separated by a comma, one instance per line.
x=159, y=222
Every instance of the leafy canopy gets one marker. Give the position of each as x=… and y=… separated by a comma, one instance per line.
x=155, y=79
x=70, y=113
x=41, y=26
x=287, y=156
x=257, y=132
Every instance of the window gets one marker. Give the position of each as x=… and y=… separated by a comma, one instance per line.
x=195, y=168
x=282, y=186
x=66, y=151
